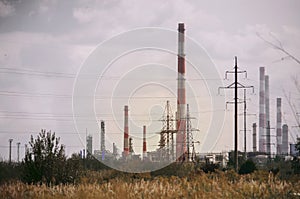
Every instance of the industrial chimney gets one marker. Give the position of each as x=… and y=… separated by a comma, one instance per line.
x=144, y=143
x=267, y=121
x=126, y=133
x=102, y=124
x=262, y=143
x=181, y=100
x=278, y=126
x=285, y=139
x=254, y=137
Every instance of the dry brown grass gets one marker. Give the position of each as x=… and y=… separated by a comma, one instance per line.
x=217, y=185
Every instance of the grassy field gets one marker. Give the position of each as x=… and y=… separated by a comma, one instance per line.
x=215, y=185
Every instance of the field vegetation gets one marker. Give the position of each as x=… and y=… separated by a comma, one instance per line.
x=46, y=172
x=112, y=184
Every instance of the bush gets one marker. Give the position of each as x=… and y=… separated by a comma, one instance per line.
x=247, y=167
x=45, y=160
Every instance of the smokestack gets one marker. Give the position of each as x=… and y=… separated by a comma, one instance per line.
x=102, y=139
x=267, y=106
x=262, y=146
x=254, y=137
x=268, y=139
x=181, y=100
x=278, y=126
x=267, y=99
x=18, y=151
x=144, y=143
x=115, y=150
x=285, y=139
x=126, y=133
x=10, y=141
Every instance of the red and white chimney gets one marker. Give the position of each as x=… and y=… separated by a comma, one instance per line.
x=181, y=98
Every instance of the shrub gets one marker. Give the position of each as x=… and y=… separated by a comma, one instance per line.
x=247, y=167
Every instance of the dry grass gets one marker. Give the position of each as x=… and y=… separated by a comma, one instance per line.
x=217, y=185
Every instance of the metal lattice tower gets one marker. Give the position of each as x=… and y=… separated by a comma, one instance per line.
x=166, y=143
x=190, y=143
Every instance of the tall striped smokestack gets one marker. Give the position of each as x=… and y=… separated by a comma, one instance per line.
x=126, y=133
x=278, y=126
x=144, y=143
x=254, y=137
x=262, y=144
x=181, y=101
x=267, y=112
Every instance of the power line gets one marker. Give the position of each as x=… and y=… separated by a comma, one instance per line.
x=235, y=85
x=31, y=72
x=35, y=73
x=97, y=97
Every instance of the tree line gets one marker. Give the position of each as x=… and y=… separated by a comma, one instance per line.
x=45, y=162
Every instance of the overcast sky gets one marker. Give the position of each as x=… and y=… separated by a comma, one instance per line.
x=44, y=43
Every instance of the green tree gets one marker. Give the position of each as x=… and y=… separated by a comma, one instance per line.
x=45, y=160
x=247, y=167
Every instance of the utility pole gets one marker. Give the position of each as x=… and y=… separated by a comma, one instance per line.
x=10, y=141
x=236, y=85
x=18, y=151
x=245, y=123
x=86, y=132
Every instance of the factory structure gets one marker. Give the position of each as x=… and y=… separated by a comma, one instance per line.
x=176, y=138
x=281, y=143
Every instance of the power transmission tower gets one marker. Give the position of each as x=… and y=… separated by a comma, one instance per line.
x=236, y=85
x=166, y=142
x=190, y=143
